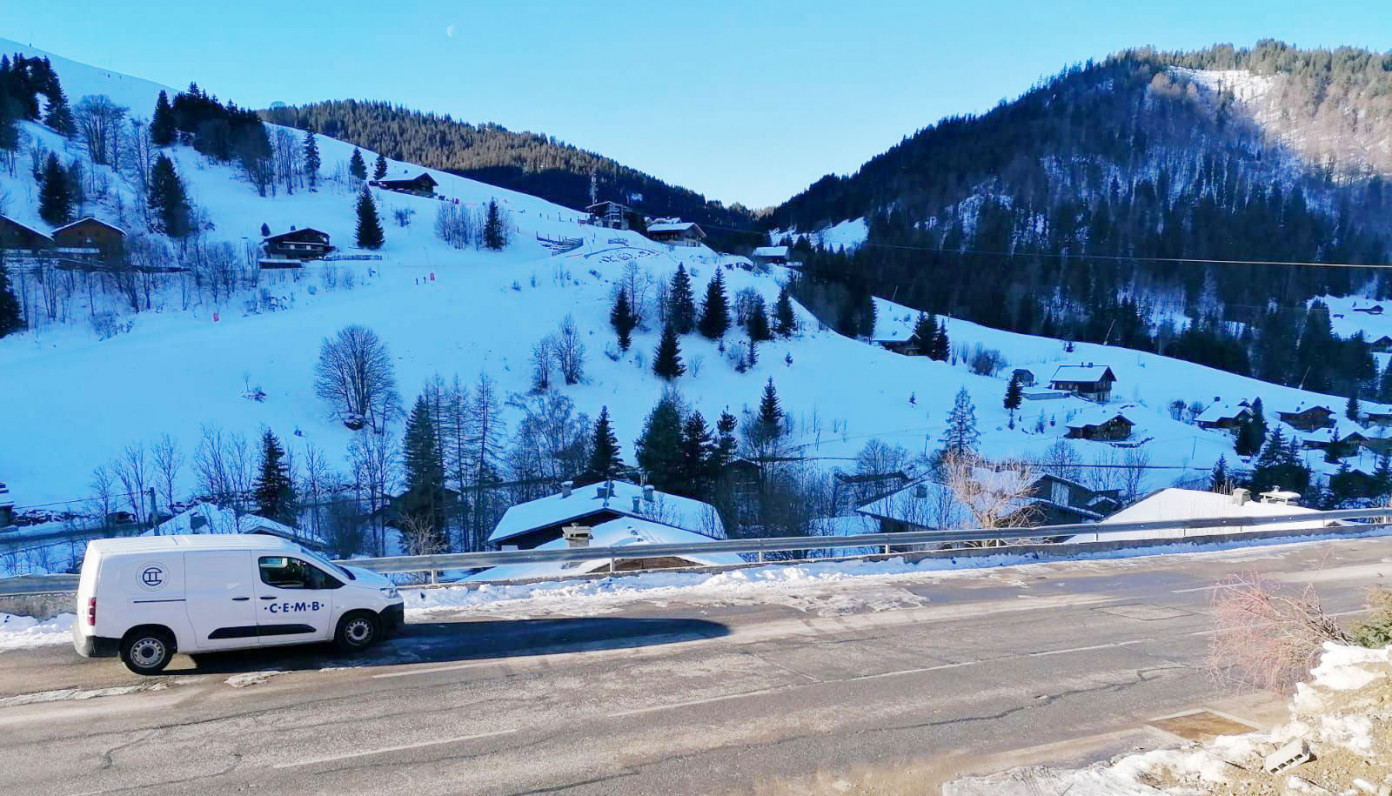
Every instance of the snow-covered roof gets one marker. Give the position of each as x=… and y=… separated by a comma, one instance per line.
x=771, y=251
x=623, y=532
x=1217, y=411
x=1191, y=504
x=671, y=510
x=1096, y=416
x=673, y=226
x=92, y=219
x=1082, y=373
x=1302, y=408
x=932, y=505
x=207, y=518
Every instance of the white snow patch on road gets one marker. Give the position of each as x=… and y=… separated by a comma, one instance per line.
x=76, y=694
x=26, y=632
x=246, y=679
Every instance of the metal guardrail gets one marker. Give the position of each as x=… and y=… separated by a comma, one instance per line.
x=48, y=584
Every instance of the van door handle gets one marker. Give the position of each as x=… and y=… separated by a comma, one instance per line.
x=240, y=599
x=268, y=597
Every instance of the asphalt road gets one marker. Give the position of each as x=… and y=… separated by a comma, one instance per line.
x=868, y=687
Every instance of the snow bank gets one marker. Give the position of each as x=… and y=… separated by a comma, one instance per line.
x=25, y=632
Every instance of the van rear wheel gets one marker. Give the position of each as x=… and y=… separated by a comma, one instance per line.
x=147, y=650
x=357, y=631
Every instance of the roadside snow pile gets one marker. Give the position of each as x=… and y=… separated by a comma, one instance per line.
x=1341, y=718
x=23, y=632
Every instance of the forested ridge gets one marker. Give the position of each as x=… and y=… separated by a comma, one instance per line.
x=528, y=162
x=1067, y=211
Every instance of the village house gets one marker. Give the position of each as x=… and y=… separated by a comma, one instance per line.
x=420, y=185
x=677, y=233
x=15, y=236
x=1024, y=376
x=1308, y=418
x=627, y=533
x=89, y=235
x=1100, y=427
x=1049, y=499
x=298, y=244
x=1176, y=505
x=207, y=518
x=771, y=255
x=533, y=524
x=1375, y=309
x=1093, y=382
x=1382, y=345
x=1382, y=418
x=1223, y=416
x=850, y=490
x=612, y=215
x=1341, y=440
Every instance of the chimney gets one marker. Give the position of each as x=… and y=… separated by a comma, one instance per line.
x=1240, y=496
x=637, y=504
x=602, y=491
x=566, y=487
x=576, y=535
x=649, y=494
x=921, y=491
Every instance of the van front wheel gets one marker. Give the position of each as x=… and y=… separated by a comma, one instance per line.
x=357, y=631
x=147, y=650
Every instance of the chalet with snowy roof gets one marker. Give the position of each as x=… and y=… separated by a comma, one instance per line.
x=1308, y=418
x=1381, y=345
x=1223, y=416
x=611, y=215
x=206, y=518
x=90, y=234
x=927, y=505
x=1100, y=427
x=1341, y=440
x=533, y=524
x=15, y=236
x=771, y=255
x=1173, y=505
x=856, y=489
x=1375, y=309
x=420, y=185
x=1093, y=382
x=298, y=244
x=1024, y=376
x=677, y=233
x=1382, y=418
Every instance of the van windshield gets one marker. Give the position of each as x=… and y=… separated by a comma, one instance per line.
x=327, y=564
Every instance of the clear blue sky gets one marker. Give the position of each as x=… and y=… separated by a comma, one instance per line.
x=746, y=101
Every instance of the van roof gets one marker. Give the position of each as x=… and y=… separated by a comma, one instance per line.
x=160, y=544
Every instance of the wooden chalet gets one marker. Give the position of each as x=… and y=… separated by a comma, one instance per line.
x=1382, y=345
x=297, y=244
x=611, y=215
x=1376, y=417
x=1224, y=417
x=1113, y=428
x=1375, y=309
x=90, y=234
x=14, y=236
x=420, y=185
x=1310, y=418
x=1093, y=382
x=1024, y=376
x=677, y=233
x=771, y=255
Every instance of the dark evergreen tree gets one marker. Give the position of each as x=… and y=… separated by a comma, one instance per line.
x=660, y=446
x=681, y=302
x=494, y=231
x=784, y=319
x=667, y=363
x=379, y=168
x=715, y=310
x=1279, y=466
x=265, y=230
x=925, y=334
x=162, y=125
x=10, y=318
x=356, y=167
x=311, y=160
x=274, y=490
x=1385, y=384
x=698, y=457
x=1014, y=396
x=725, y=442
x=1352, y=410
x=621, y=317
x=422, y=508
x=605, y=460
x=770, y=412
x=59, y=117
x=369, y=232
x=756, y=325
x=167, y=200
x=55, y=193
x=941, y=347
x=1220, y=481
x=960, y=437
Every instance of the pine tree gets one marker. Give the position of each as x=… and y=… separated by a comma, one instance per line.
x=725, y=442
x=1220, y=481
x=274, y=491
x=660, y=446
x=925, y=334
x=55, y=195
x=697, y=455
x=311, y=159
x=622, y=319
x=1279, y=466
x=494, y=232
x=370, y=235
x=940, y=348
x=168, y=202
x=770, y=412
x=356, y=167
x=667, y=362
x=605, y=460
x=715, y=310
x=757, y=325
x=1014, y=395
x=10, y=318
x=59, y=117
x=162, y=125
x=1351, y=409
x=423, y=504
x=379, y=168
x=1252, y=433
x=681, y=302
x=784, y=319
x=960, y=437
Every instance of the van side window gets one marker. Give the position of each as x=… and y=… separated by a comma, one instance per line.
x=284, y=572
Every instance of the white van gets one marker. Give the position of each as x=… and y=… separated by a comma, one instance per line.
x=147, y=597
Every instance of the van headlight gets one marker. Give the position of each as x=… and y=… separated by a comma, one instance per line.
x=390, y=592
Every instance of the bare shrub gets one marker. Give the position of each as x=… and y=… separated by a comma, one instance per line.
x=1265, y=635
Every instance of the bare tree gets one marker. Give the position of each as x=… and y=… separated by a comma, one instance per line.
x=453, y=226
x=169, y=461
x=570, y=352
x=132, y=469
x=103, y=494
x=543, y=355
x=878, y=458
x=1060, y=459
x=1264, y=635
x=355, y=374
x=374, y=461
x=994, y=496
x=99, y=124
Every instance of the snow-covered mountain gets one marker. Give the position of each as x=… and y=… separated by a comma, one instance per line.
x=76, y=394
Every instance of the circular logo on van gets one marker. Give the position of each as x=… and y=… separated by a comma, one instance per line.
x=152, y=577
